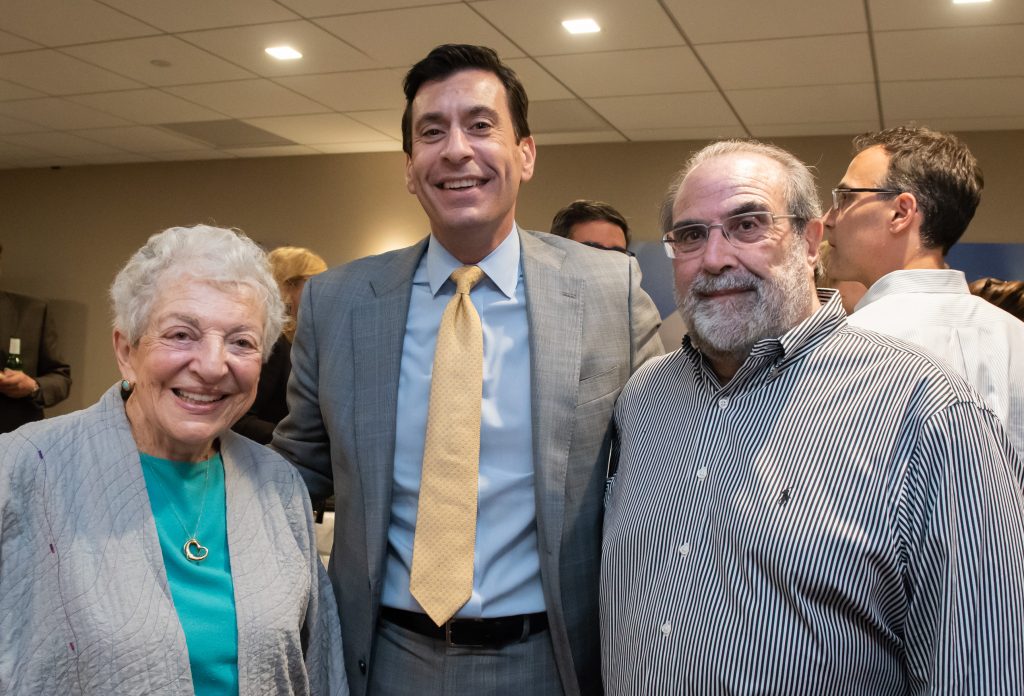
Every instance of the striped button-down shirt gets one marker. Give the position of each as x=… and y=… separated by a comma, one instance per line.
x=844, y=516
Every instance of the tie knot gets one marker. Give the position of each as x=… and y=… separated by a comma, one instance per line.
x=466, y=278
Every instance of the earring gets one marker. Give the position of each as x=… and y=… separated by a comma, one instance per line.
x=126, y=387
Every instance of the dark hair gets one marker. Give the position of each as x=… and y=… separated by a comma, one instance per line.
x=448, y=59
x=587, y=211
x=939, y=171
x=1005, y=294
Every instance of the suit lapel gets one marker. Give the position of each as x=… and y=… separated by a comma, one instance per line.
x=378, y=332
x=555, y=311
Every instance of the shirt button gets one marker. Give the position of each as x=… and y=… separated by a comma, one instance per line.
x=702, y=473
x=666, y=628
x=684, y=550
x=723, y=403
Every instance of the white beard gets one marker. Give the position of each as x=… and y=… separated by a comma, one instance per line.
x=732, y=326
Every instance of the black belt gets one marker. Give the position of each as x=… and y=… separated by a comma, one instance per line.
x=470, y=633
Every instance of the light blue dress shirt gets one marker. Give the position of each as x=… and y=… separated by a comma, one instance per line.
x=506, y=565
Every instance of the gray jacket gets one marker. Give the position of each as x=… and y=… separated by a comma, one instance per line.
x=84, y=598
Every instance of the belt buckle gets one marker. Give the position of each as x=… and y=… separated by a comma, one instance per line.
x=450, y=640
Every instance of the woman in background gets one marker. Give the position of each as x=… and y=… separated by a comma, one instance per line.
x=145, y=548
x=292, y=267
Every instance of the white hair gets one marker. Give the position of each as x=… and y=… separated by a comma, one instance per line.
x=210, y=254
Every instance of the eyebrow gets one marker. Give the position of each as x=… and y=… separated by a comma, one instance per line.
x=748, y=207
x=194, y=323
x=474, y=112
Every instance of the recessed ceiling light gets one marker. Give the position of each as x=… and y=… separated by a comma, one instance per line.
x=581, y=26
x=284, y=53
x=969, y=2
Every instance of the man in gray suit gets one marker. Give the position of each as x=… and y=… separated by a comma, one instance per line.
x=563, y=327
x=45, y=379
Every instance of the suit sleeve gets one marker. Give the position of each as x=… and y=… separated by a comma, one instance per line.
x=53, y=374
x=644, y=321
x=302, y=437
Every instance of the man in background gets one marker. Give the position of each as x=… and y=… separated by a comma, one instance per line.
x=593, y=223
x=547, y=331
x=44, y=379
x=906, y=198
x=801, y=507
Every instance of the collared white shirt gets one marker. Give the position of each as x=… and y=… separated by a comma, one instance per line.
x=935, y=310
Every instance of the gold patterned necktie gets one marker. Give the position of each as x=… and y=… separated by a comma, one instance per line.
x=442, y=558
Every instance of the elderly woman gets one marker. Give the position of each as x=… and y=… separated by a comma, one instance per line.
x=292, y=267
x=146, y=548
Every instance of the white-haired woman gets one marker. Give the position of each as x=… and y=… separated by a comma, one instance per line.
x=146, y=548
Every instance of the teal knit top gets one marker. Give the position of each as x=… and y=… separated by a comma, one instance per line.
x=187, y=497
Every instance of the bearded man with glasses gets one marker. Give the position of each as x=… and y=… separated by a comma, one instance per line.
x=801, y=507
x=906, y=199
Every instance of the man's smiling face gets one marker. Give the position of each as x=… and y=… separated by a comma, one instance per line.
x=466, y=166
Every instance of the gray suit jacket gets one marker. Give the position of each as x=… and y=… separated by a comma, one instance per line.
x=590, y=326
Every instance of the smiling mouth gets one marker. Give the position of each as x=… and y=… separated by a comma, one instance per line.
x=461, y=184
x=195, y=398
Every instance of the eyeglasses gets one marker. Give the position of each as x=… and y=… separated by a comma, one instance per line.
x=598, y=245
x=740, y=230
x=839, y=196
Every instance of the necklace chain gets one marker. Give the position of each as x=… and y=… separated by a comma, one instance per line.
x=193, y=550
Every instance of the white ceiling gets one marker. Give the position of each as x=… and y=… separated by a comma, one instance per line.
x=105, y=81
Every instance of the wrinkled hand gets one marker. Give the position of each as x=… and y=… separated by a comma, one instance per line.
x=16, y=384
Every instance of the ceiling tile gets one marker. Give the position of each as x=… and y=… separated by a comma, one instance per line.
x=693, y=133
x=793, y=105
x=387, y=121
x=13, y=125
x=56, y=73
x=672, y=111
x=565, y=115
x=117, y=158
x=10, y=43
x=273, y=151
x=317, y=128
x=886, y=14
x=141, y=139
x=740, y=20
x=621, y=73
x=147, y=106
x=927, y=100
x=63, y=144
x=351, y=91
x=539, y=84
x=134, y=58
x=59, y=114
x=188, y=155
x=248, y=99
x=63, y=22
x=785, y=130
x=320, y=8
x=950, y=53
x=567, y=138
x=186, y=15
x=825, y=60
x=412, y=33
x=374, y=146
x=975, y=124
x=536, y=25
x=10, y=91
x=244, y=46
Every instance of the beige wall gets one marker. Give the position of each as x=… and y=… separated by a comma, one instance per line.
x=66, y=232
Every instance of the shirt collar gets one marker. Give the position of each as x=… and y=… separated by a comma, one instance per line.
x=916, y=280
x=501, y=266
